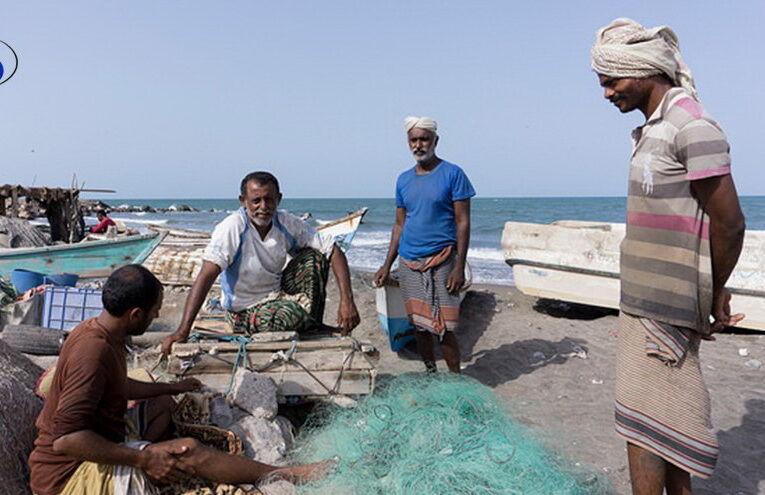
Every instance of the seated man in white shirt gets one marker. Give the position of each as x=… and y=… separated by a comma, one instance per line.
x=249, y=251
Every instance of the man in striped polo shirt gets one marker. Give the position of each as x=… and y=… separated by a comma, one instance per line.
x=684, y=234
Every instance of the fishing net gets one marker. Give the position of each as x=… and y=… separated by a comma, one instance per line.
x=19, y=407
x=432, y=434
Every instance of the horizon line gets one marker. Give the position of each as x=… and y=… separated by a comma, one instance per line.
x=233, y=198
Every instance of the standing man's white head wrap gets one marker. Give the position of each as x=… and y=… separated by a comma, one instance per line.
x=624, y=48
x=421, y=123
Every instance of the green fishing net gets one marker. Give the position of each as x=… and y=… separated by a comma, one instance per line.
x=424, y=434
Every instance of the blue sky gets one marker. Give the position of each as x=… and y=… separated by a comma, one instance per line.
x=181, y=99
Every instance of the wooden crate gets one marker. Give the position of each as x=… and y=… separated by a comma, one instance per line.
x=301, y=370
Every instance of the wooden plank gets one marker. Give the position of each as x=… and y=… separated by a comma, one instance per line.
x=303, y=385
x=316, y=360
x=222, y=326
x=209, y=325
x=14, y=202
x=332, y=343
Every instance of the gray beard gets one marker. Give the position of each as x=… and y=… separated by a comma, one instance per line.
x=423, y=158
x=260, y=222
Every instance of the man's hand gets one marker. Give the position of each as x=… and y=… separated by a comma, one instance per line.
x=381, y=276
x=347, y=316
x=721, y=311
x=456, y=279
x=167, y=342
x=164, y=464
x=187, y=385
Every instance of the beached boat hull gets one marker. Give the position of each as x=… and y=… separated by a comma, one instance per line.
x=86, y=259
x=579, y=262
x=178, y=259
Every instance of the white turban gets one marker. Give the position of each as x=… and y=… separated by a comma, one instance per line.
x=624, y=48
x=421, y=123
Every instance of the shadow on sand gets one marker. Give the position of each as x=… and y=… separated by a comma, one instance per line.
x=741, y=465
x=494, y=367
x=571, y=311
x=476, y=312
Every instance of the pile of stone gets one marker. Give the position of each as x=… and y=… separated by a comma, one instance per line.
x=250, y=410
x=91, y=207
x=149, y=209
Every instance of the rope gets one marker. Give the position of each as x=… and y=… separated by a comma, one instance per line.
x=241, y=353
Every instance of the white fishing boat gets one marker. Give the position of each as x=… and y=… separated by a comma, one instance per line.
x=178, y=258
x=579, y=262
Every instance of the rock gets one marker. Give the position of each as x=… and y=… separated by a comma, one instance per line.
x=538, y=356
x=287, y=429
x=754, y=363
x=277, y=487
x=238, y=414
x=254, y=393
x=596, y=381
x=743, y=352
x=262, y=439
x=220, y=412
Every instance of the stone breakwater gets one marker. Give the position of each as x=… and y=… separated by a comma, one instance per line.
x=91, y=207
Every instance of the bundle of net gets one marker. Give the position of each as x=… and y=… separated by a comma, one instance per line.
x=432, y=434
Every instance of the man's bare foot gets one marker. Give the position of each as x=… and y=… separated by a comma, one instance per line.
x=305, y=473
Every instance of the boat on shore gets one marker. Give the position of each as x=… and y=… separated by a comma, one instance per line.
x=86, y=259
x=178, y=259
x=578, y=262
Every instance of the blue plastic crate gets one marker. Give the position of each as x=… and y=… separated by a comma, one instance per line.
x=65, y=307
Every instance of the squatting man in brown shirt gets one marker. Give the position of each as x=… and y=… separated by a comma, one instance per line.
x=81, y=440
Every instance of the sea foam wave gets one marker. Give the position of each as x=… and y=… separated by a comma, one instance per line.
x=489, y=254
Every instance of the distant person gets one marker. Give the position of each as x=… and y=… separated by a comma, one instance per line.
x=250, y=248
x=684, y=235
x=431, y=235
x=82, y=445
x=104, y=222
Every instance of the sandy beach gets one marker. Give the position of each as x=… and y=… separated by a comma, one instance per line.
x=552, y=364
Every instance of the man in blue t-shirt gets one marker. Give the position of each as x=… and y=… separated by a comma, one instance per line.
x=431, y=235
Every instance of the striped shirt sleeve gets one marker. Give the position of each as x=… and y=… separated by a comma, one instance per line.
x=703, y=148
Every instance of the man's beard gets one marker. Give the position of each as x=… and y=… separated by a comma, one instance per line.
x=260, y=221
x=423, y=157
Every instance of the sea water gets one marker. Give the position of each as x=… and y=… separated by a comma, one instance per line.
x=488, y=217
